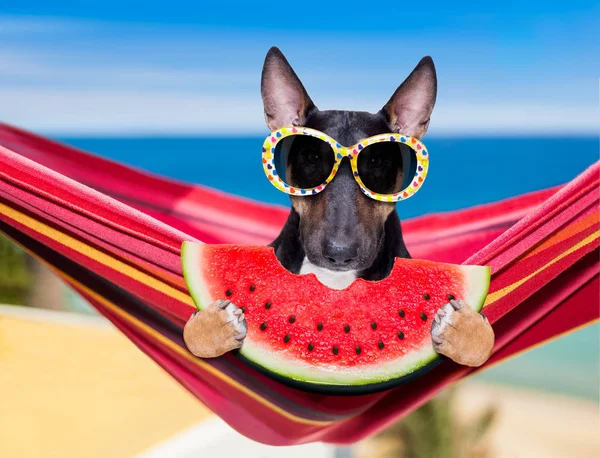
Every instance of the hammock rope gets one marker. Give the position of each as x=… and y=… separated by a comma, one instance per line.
x=114, y=234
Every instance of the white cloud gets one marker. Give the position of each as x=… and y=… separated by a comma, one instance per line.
x=120, y=112
x=515, y=119
x=85, y=78
x=104, y=112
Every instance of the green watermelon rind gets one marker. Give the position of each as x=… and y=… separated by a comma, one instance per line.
x=478, y=283
x=192, y=275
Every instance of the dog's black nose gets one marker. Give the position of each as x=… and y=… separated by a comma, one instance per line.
x=340, y=254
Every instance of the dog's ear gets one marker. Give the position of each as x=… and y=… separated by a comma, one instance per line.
x=285, y=100
x=410, y=107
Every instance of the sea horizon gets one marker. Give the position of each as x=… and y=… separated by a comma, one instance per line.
x=476, y=169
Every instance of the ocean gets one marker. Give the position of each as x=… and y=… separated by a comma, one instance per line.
x=463, y=172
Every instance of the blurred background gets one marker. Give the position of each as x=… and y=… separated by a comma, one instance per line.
x=174, y=89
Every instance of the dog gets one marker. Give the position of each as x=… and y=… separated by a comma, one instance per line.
x=341, y=234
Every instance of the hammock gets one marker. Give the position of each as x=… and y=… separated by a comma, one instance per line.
x=114, y=234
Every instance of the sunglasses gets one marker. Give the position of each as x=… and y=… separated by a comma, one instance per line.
x=302, y=161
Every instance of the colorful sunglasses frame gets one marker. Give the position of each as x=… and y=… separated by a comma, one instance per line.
x=352, y=153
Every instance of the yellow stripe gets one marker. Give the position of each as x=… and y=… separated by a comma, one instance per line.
x=97, y=255
x=504, y=291
x=566, y=233
x=197, y=361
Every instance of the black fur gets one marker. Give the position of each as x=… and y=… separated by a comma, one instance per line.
x=341, y=228
x=348, y=127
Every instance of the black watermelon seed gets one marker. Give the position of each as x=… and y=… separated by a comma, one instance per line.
x=336, y=350
x=320, y=326
x=400, y=335
x=268, y=305
x=292, y=319
x=373, y=325
x=263, y=326
x=252, y=288
x=347, y=328
x=243, y=308
x=287, y=338
x=380, y=344
x=311, y=347
x=229, y=292
x=423, y=316
x=402, y=313
x=450, y=297
x=358, y=350
x=426, y=296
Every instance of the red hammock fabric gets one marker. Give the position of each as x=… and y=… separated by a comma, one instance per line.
x=114, y=233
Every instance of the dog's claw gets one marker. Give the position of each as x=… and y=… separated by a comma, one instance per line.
x=456, y=305
x=437, y=340
x=222, y=304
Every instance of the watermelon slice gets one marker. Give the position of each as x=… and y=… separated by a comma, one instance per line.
x=367, y=337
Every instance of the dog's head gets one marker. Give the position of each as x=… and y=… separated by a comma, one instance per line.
x=340, y=228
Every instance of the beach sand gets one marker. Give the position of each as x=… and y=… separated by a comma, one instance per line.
x=534, y=424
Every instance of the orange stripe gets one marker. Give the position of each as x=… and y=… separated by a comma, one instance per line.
x=496, y=295
x=567, y=232
x=96, y=255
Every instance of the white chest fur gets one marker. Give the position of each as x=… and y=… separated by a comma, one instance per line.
x=330, y=278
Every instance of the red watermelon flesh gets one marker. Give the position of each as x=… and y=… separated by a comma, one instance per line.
x=299, y=328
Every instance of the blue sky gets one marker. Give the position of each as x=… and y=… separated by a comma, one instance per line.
x=71, y=68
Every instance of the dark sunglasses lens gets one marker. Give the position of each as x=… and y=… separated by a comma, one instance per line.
x=387, y=167
x=302, y=161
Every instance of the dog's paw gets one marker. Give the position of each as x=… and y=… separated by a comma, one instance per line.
x=214, y=331
x=462, y=334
